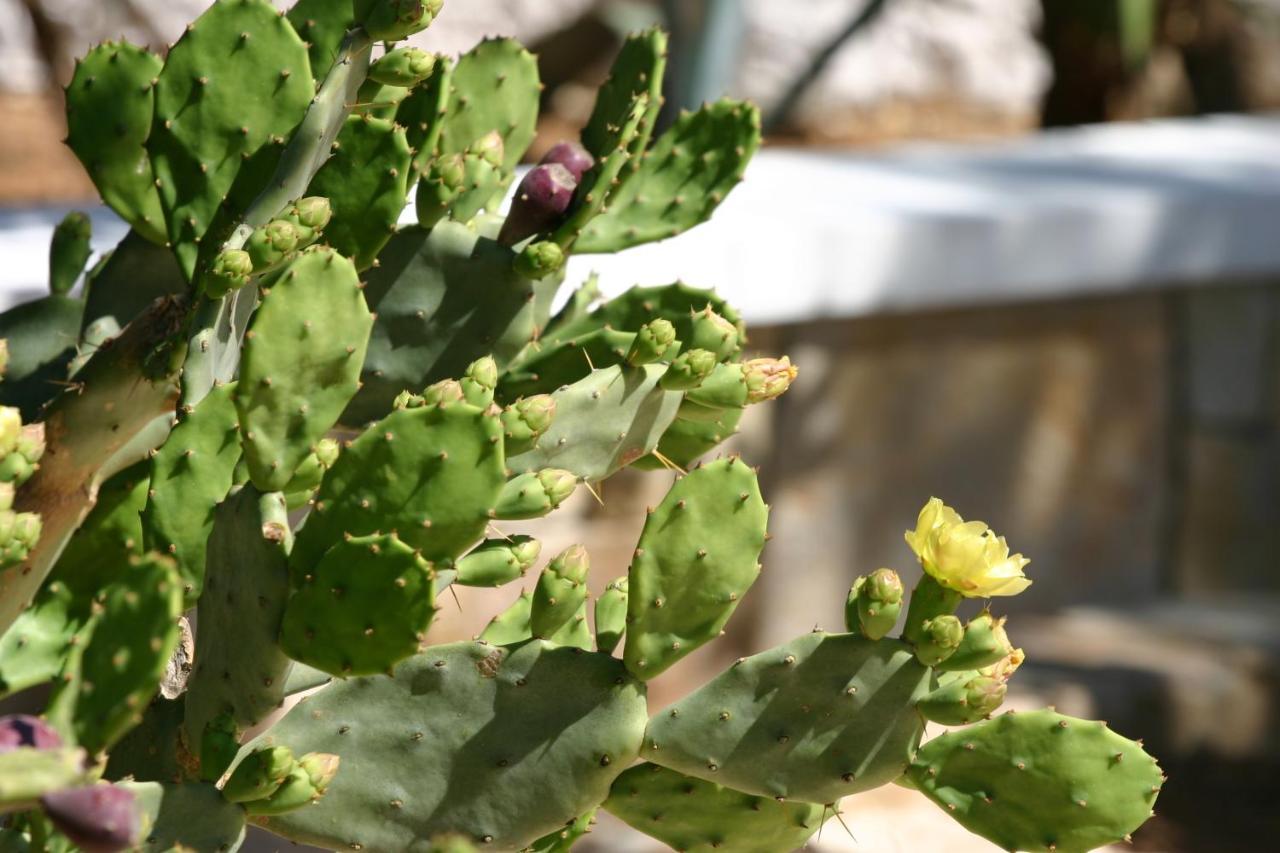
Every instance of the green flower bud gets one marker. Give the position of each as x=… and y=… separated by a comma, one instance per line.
x=558, y=484
x=488, y=148
x=688, y=370
x=539, y=260
x=394, y=20
x=404, y=67
x=713, y=332
x=940, y=637
x=442, y=393
x=652, y=342
x=312, y=212
x=230, y=271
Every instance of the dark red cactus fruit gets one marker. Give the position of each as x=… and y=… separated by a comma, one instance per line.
x=100, y=818
x=572, y=156
x=541, y=199
x=17, y=730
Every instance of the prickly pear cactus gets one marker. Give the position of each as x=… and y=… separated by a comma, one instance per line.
x=272, y=404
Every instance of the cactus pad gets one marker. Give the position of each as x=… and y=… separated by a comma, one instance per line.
x=695, y=816
x=1040, y=781
x=603, y=422
x=239, y=666
x=190, y=816
x=190, y=474
x=321, y=24
x=816, y=719
x=638, y=68
x=432, y=474
x=301, y=364
x=366, y=181
x=238, y=77
x=680, y=181
x=500, y=745
x=494, y=86
x=696, y=557
x=363, y=607
x=109, y=108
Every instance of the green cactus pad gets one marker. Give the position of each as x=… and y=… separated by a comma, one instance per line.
x=69, y=251
x=545, y=368
x=321, y=24
x=695, y=816
x=603, y=423
x=511, y=625
x=680, y=181
x=685, y=441
x=638, y=68
x=611, y=615
x=189, y=816
x=190, y=474
x=362, y=608
x=239, y=666
x=109, y=108
x=816, y=719
x=494, y=86
x=301, y=363
x=111, y=678
x=35, y=648
x=239, y=76
x=99, y=552
x=697, y=556
x=443, y=299
x=677, y=303
x=432, y=474
x=502, y=746
x=1040, y=781
x=151, y=752
x=42, y=338
x=366, y=182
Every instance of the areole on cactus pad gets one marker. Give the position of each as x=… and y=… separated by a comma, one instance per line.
x=271, y=404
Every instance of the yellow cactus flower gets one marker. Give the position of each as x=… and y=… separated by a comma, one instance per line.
x=965, y=556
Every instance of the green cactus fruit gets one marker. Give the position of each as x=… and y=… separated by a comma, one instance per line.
x=19, y=532
x=433, y=474
x=653, y=342
x=511, y=625
x=405, y=67
x=985, y=643
x=939, y=639
x=259, y=774
x=874, y=604
x=534, y=494
x=929, y=599
x=362, y=608
x=680, y=181
x=698, y=816
x=495, y=562
x=301, y=363
x=307, y=477
x=190, y=475
x=539, y=260
x=69, y=252
x=444, y=298
x=444, y=180
x=611, y=615
x=560, y=591
x=768, y=378
x=110, y=678
x=211, y=115
x=231, y=271
x=545, y=731
x=688, y=370
x=1040, y=781
x=272, y=244
x=752, y=728
x=697, y=556
x=239, y=666
x=637, y=70
x=219, y=742
x=714, y=333
x=493, y=87
x=393, y=20
x=603, y=422
x=186, y=816
x=478, y=382
x=366, y=181
x=322, y=24
x=110, y=102
x=962, y=698
x=525, y=421
x=18, y=463
x=305, y=783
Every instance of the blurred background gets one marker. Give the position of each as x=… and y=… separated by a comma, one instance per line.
x=1026, y=255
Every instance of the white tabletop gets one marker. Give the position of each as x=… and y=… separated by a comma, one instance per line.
x=812, y=234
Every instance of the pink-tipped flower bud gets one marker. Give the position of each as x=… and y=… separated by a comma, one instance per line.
x=768, y=378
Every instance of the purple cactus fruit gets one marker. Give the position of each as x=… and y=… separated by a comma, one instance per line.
x=100, y=818
x=572, y=156
x=18, y=730
x=541, y=199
